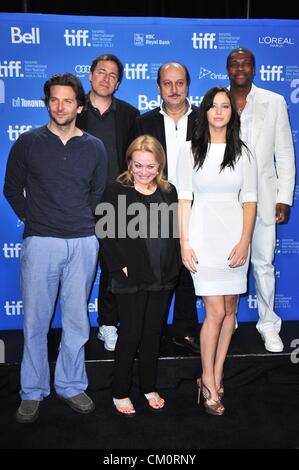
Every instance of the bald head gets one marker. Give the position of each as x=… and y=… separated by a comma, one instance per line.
x=172, y=66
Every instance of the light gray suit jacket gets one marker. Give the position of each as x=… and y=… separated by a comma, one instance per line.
x=271, y=141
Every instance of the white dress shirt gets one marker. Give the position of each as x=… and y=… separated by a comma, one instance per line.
x=175, y=135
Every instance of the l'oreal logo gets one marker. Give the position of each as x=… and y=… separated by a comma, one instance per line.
x=276, y=42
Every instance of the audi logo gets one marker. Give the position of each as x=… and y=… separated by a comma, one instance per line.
x=82, y=68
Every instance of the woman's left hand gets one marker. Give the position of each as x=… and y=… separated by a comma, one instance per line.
x=238, y=255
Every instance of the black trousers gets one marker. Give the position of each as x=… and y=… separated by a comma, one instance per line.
x=185, y=321
x=141, y=316
x=107, y=305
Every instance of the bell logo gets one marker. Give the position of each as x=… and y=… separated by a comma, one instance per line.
x=26, y=38
x=144, y=104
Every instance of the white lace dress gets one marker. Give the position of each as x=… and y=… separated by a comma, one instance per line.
x=216, y=219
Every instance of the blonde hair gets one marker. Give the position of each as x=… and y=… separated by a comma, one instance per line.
x=146, y=143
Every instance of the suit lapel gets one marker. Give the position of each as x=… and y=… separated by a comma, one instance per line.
x=259, y=113
x=160, y=128
x=191, y=118
x=119, y=131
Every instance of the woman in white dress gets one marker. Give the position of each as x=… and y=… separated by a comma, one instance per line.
x=218, y=173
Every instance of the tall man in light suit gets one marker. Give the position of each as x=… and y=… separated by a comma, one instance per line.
x=265, y=127
x=172, y=124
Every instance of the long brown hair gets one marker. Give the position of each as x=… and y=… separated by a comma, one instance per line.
x=150, y=144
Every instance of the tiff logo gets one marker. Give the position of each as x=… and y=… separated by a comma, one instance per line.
x=252, y=301
x=204, y=41
x=13, y=308
x=2, y=352
x=27, y=38
x=12, y=250
x=77, y=37
x=2, y=92
x=11, y=68
x=136, y=71
x=15, y=132
x=272, y=73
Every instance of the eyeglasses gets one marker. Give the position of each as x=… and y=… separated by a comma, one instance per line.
x=138, y=167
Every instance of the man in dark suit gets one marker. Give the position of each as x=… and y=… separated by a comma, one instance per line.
x=112, y=121
x=171, y=124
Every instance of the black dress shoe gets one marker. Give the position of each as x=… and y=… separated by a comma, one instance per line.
x=188, y=342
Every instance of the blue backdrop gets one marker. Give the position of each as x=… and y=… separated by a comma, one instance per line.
x=33, y=47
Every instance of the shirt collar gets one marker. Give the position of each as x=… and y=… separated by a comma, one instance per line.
x=112, y=106
x=251, y=94
x=189, y=108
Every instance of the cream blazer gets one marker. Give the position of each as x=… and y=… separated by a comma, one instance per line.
x=271, y=141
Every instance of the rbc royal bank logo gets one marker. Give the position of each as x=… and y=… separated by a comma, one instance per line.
x=272, y=73
x=77, y=38
x=17, y=37
x=11, y=68
x=136, y=72
x=138, y=39
x=204, y=41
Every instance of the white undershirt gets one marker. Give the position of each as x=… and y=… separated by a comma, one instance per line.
x=175, y=135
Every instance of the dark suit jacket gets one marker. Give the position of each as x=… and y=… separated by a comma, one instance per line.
x=152, y=123
x=125, y=115
x=119, y=252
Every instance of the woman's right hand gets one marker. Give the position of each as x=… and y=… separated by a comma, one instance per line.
x=189, y=257
x=125, y=270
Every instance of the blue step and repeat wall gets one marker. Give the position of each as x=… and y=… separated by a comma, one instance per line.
x=33, y=47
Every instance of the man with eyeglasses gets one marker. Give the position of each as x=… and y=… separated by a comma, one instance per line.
x=111, y=120
x=171, y=124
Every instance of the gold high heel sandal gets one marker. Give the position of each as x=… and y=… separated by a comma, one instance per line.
x=216, y=408
x=220, y=390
